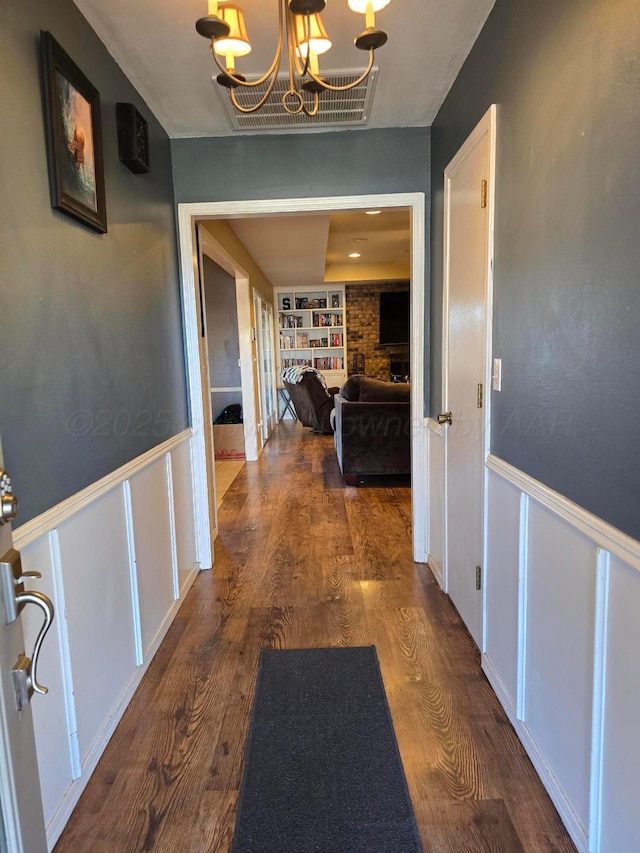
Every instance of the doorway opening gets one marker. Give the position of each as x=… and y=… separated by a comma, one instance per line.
x=220, y=327
x=188, y=214
x=225, y=376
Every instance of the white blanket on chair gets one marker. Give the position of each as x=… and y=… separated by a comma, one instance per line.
x=294, y=374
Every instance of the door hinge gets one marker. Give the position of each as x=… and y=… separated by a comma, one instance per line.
x=478, y=577
x=483, y=193
x=480, y=395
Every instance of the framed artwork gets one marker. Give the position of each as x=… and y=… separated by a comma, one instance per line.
x=74, y=137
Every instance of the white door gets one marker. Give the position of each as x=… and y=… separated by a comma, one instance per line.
x=263, y=313
x=205, y=390
x=22, y=829
x=467, y=265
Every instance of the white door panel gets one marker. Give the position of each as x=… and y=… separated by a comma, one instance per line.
x=23, y=828
x=465, y=365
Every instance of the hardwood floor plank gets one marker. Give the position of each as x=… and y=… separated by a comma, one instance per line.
x=303, y=561
x=469, y=825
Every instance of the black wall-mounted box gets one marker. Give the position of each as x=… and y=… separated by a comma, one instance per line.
x=133, y=138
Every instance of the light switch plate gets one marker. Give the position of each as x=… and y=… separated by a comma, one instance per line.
x=497, y=374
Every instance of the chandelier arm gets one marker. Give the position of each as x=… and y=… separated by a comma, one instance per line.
x=352, y=85
x=261, y=102
x=249, y=84
x=293, y=44
x=316, y=106
x=291, y=55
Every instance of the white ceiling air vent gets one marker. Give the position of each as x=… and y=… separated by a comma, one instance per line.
x=336, y=108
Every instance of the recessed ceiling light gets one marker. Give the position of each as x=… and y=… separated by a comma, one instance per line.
x=372, y=212
x=354, y=254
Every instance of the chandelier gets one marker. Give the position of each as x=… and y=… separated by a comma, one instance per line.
x=301, y=28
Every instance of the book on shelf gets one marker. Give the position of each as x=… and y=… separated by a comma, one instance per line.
x=335, y=300
x=290, y=321
x=319, y=342
x=336, y=339
x=327, y=319
x=296, y=362
x=303, y=339
x=303, y=302
x=328, y=363
x=287, y=341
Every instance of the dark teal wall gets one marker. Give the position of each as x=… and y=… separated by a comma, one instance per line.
x=91, y=363
x=357, y=162
x=566, y=78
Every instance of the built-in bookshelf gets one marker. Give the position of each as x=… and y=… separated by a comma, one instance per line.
x=311, y=330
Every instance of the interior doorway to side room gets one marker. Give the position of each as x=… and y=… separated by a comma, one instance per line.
x=227, y=376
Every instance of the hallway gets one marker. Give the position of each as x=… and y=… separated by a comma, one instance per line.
x=302, y=561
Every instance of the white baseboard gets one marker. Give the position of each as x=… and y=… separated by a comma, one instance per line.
x=436, y=568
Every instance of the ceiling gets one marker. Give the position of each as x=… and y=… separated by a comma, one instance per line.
x=156, y=45
x=313, y=249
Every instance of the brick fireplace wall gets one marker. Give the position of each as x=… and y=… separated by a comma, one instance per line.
x=363, y=318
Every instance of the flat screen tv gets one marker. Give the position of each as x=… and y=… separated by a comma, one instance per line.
x=394, y=318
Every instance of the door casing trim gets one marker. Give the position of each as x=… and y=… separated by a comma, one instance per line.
x=188, y=213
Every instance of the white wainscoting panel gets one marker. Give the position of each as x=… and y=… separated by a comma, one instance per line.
x=94, y=554
x=56, y=739
x=153, y=549
x=620, y=791
x=185, y=522
x=436, y=500
x=560, y=651
x=113, y=560
x=573, y=608
x=501, y=584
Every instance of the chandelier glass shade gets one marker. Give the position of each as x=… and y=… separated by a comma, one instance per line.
x=236, y=43
x=302, y=32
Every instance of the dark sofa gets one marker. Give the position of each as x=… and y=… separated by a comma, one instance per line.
x=372, y=425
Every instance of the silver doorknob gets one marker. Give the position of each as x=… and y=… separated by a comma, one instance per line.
x=445, y=418
x=8, y=501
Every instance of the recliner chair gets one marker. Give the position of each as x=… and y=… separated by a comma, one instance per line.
x=312, y=402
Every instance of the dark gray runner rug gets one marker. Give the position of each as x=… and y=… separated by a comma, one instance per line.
x=322, y=771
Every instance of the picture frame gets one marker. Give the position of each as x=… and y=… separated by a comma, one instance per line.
x=73, y=133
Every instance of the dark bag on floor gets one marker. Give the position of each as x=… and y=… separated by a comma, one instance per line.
x=230, y=415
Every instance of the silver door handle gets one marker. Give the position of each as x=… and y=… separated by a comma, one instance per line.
x=14, y=598
x=28, y=673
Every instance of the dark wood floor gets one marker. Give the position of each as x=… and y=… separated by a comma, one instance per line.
x=302, y=561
